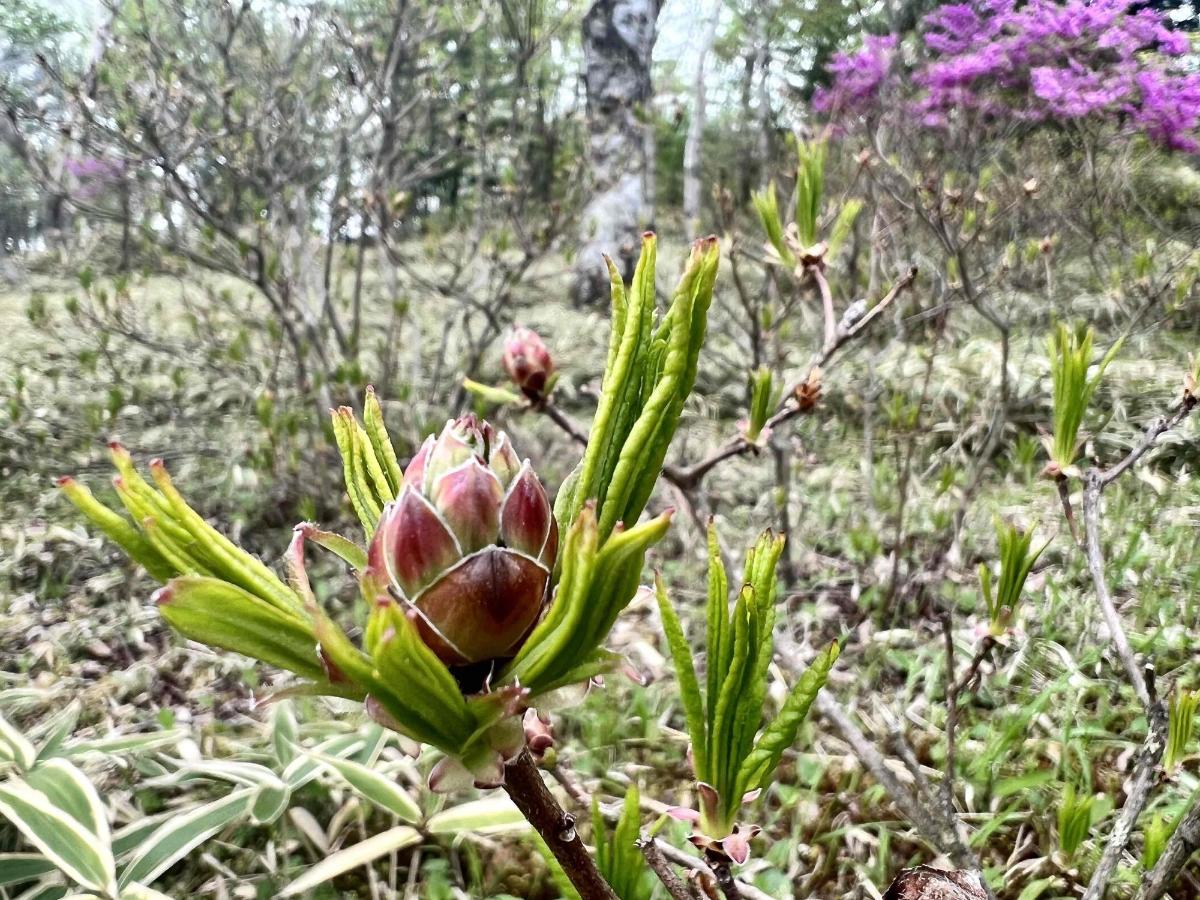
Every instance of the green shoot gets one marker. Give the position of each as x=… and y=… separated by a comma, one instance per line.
x=1181, y=716
x=1016, y=562
x=1070, y=359
x=1074, y=820
x=730, y=758
x=617, y=856
x=762, y=401
x=810, y=189
x=1154, y=839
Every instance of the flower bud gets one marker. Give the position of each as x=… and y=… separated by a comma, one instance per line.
x=469, y=544
x=527, y=361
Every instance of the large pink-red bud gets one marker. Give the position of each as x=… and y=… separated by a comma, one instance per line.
x=527, y=361
x=469, y=544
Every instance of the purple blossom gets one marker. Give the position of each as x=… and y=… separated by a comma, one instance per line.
x=1039, y=61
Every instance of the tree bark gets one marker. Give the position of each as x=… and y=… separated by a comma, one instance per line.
x=694, y=145
x=618, y=40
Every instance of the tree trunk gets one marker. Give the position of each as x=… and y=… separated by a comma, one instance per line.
x=694, y=145
x=618, y=39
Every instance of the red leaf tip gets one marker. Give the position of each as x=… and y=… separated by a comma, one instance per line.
x=64, y=480
x=162, y=596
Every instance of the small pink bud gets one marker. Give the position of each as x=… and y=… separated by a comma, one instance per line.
x=527, y=361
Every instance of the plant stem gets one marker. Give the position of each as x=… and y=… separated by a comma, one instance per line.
x=1095, y=561
x=523, y=784
x=676, y=886
x=1145, y=777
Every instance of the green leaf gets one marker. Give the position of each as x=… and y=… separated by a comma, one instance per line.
x=117, y=529
x=19, y=868
x=57, y=729
x=344, y=548
x=71, y=792
x=124, y=743
x=285, y=732
x=141, y=892
x=270, y=802
x=15, y=747
x=70, y=846
x=381, y=441
x=182, y=833
x=492, y=815
x=360, y=854
x=226, y=559
x=373, y=786
x=488, y=394
x=223, y=615
x=685, y=674
x=129, y=838
x=766, y=205
x=780, y=734
x=303, y=769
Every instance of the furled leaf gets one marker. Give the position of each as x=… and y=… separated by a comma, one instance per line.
x=780, y=733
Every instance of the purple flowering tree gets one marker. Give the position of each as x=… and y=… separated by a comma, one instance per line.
x=997, y=61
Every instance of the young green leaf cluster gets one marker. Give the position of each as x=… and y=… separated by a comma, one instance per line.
x=802, y=239
x=731, y=757
x=650, y=372
x=370, y=467
x=1074, y=819
x=1016, y=562
x=1070, y=353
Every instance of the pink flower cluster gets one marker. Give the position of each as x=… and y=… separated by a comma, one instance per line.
x=1034, y=61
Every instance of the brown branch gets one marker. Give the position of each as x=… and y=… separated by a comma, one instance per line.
x=676, y=886
x=790, y=408
x=1145, y=777
x=1064, y=495
x=1094, y=486
x=725, y=880
x=559, y=418
x=831, y=328
x=689, y=477
x=1157, y=429
x=523, y=783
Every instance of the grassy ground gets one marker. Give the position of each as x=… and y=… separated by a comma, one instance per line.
x=873, y=471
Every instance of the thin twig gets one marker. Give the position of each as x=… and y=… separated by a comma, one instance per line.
x=1064, y=495
x=676, y=886
x=1157, y=429
x=725, y=881
x=563, y=421
x=523, y=783
x=1095, y=560
x=688, y=477
x=928, y=819
x=948, y=779
x=1145, y=777
x=826, y=304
